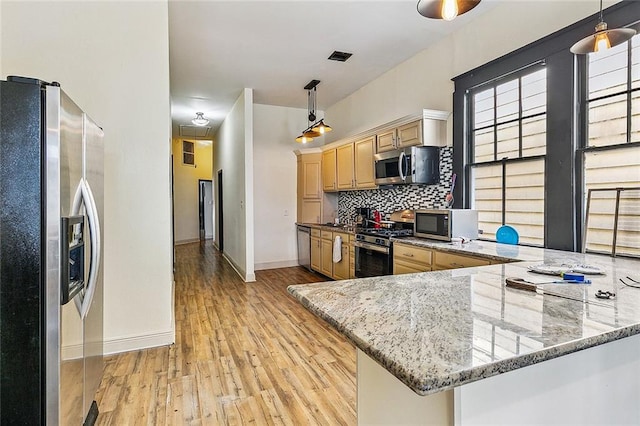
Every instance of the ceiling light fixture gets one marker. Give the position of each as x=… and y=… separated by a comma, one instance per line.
x=602, y=39
x=200, y=120
x=445, y=9
x=315, y=128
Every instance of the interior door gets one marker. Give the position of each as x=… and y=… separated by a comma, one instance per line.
x=205, y=195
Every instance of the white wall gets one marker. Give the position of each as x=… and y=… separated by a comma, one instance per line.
x=424, y=81
x=275, y=177
x=112, y=58
x=185, y=189
x=233, y=154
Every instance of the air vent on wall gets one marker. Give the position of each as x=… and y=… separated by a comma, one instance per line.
x=194, y=131
x=339, y=56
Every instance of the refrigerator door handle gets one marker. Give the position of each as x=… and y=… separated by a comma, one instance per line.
x=84, y=196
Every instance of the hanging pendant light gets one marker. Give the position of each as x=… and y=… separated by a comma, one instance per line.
x=602, y=39
x=321, y=127
x=445, y=9
x=316, y=128
x=200, y=120
x=305, y=137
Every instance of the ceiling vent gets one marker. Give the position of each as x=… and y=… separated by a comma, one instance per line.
x=339, y=56
x=194, y=131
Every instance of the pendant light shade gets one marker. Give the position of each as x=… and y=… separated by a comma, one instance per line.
x=200, y=120
x=445, y=9
x=321, y=127
x=602, y=39
x=305, y=137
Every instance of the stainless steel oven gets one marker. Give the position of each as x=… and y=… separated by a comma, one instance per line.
x=374, y=251
x=372, y=259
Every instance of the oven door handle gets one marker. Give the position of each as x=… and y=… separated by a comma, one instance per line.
x=371, y=247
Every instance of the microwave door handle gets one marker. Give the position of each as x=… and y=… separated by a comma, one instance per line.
x=401, y=166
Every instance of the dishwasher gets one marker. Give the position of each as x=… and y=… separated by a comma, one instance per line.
x=304, y=246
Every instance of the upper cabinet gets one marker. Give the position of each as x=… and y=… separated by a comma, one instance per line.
x=400, y=137
x=386, y=141
x=431, y=130
x=344, y=166
x=309, y=189
x=329, y=170
x=363, y=163
x=349, y=166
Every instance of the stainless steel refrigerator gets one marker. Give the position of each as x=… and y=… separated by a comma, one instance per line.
x=51, y=280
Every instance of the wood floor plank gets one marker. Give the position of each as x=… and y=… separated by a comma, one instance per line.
x=245, y=353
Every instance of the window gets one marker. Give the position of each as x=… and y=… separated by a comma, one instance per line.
x=188, y=153
x=508, y=140
x=530, y=140
x=611, y=157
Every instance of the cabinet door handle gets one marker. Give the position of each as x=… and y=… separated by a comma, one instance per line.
x=407, y=254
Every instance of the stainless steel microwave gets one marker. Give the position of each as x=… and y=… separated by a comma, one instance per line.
x=446, y=224
x=416, y=164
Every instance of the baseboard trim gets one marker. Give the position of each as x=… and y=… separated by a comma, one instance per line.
x=71, y=352
x=274, y=265
x=245, y=277
x=189, y=241
x=135, y=343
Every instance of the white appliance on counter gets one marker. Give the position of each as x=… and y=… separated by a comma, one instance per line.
x=445, y=224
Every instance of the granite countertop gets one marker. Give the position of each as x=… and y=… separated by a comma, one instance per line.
x=438, y=330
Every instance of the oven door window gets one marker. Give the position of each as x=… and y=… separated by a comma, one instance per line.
x=371, y=263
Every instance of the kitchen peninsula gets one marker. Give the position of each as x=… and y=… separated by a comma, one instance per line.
x=458, y=347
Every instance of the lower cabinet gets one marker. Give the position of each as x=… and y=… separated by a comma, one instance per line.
x=326, y=266
x=444, y=260
x=316, y=249
x=322, y=254
x=409, y=259
x=341, y=269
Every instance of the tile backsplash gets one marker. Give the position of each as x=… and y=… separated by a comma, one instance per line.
x=398, y=197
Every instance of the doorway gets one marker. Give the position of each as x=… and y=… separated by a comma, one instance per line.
x=205, y=196
x=220, y=210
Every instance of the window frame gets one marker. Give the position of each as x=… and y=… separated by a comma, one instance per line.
x=563, y=168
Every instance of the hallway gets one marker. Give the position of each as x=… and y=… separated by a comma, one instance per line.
x=244, y=354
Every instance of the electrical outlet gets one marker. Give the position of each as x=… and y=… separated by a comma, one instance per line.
x=286, y=212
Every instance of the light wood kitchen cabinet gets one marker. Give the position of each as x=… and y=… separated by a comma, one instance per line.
x=344, y=167
x=309, y=211
x=316, y=249
x=444, y=260
x=311, y=178
x=329, y=170
x=386, y=141
x=309, y=188
x=322, y=254
x=326, y=261
x=363, y=163
x=341, y=269
x=401, y=137
x=408, y=259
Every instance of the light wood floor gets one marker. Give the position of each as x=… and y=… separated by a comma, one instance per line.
x=245, y=353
